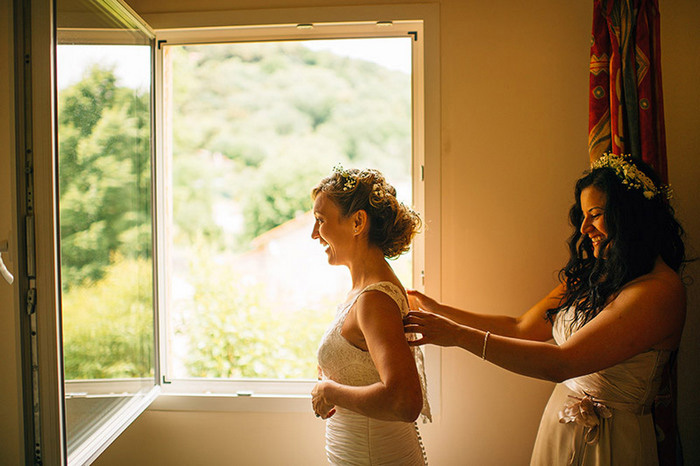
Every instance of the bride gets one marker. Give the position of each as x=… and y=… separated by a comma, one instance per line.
x=371, y=385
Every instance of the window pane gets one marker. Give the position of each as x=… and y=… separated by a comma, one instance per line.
x=250, y=129
x=104, y=147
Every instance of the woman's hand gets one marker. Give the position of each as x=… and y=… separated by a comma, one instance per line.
x=417, y=300
x=435, y=329
x=322, y=407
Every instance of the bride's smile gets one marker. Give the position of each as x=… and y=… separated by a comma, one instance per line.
x=333, y=231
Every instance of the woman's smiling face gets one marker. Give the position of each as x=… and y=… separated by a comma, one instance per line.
x=333, y=231
x=593, y=202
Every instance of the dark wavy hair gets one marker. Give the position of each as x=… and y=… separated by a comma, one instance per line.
x=392, y=225
x=638, y=231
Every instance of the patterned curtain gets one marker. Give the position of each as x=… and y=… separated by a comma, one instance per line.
x=626, y=112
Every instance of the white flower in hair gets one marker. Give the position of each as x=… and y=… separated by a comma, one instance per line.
x=630, y=175
x=349, y=178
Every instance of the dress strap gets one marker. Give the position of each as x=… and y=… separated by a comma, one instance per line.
x=393, y=291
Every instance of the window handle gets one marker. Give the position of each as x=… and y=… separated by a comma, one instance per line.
x=3, y=269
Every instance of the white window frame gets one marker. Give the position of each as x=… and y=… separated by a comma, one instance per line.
x=277, y=25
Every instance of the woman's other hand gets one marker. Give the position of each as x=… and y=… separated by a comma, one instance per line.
x=417, y=300
x=434, y=329
x=321, y=406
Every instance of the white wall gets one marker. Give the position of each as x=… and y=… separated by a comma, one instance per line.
x=514, y=83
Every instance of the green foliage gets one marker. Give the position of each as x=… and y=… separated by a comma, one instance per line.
x=197, y=182
x=108, y=325
x=259, y=125
x=104, y=176
x=278, y=191
x=105, y=227
x=283, y=115
x=82, y=105
x=255, y=127
x=232, y=331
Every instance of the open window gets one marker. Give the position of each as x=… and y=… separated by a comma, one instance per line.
x=104, y=106
x=252, y=118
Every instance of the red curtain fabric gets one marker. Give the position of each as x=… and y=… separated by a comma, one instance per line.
x=626, y=112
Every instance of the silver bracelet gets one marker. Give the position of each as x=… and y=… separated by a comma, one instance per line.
x=486, y=340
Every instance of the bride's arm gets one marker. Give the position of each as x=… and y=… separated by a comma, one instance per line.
x=398, y=396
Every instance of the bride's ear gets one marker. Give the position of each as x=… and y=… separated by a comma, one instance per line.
x=360, y=222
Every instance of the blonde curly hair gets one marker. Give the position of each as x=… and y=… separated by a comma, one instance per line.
x=392, y=224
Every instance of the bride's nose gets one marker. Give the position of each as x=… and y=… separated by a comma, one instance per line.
x=585, y=225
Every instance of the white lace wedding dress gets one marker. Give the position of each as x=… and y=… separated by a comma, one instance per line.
x=355, y=439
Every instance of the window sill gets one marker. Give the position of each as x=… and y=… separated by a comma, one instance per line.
x=289, y=396
x=209, y=402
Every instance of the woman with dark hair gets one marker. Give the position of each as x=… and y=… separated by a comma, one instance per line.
x=617, y=317
x=372, y=383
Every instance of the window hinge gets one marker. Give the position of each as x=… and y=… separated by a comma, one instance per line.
x=414, y=34
x=29, y=233
x=34, y=355
x=31, y=300
x=422, y=172
x=165, y=381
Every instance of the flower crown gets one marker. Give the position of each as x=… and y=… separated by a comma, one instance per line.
x=631, y=176
x=379, y=194
x=350, y=180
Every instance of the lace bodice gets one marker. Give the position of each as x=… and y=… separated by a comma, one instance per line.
x=347, y=364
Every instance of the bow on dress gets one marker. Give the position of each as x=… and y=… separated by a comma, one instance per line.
x=587, y=413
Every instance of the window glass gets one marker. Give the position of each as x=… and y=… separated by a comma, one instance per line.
x=250, y=128
x=104, y=119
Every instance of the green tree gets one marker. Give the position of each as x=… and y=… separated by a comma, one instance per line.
x=280, y=190
x=104, y=175
x=105, y=227
x=231, y=332
x=109, y=330
x=283, y=115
